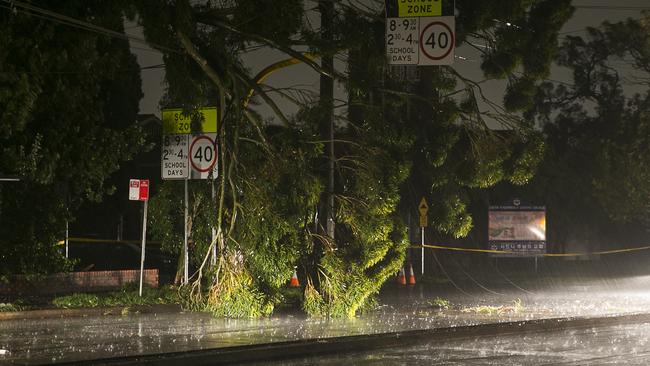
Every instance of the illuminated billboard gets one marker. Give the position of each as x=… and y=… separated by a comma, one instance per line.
x=518, y=230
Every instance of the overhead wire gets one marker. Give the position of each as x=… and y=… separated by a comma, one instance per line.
x=144, y=68
x=449, y=277
x=476, y=282
x=508, y=280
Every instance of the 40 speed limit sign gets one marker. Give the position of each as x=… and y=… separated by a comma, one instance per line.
x=203, y=156
x=420, y=41
x=437, y=40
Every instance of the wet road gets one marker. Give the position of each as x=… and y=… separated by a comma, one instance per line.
x=612, y=345
x=46, y=341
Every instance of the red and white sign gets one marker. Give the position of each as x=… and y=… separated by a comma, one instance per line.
x=437, y=40
x=203, y=156
x=139, y=189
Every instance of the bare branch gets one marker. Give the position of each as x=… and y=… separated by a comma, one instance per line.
x=201, y=61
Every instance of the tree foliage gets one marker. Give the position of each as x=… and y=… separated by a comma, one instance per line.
x=448, y=118
x=69, y=102
x=597, y=127
x=396, y=138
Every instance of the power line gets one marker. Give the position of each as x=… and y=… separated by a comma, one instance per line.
x=159, y=66
x=144, y=68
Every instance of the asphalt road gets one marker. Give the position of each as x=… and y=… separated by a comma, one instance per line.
x=126, y=337
x=606, y=345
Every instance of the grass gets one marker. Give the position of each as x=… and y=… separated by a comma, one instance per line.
x=76, y=301
x=126, y=296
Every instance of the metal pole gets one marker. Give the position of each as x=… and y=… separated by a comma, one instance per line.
x=214, y=230
x=186, y=257
x=409, y=251
x=144, y=242
x=221, y=116
x=422, y=253
x=66, y=239
x=120, y=228
x=408, y=226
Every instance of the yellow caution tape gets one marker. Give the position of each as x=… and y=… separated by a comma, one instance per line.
x=428, y=246
x=597, y=253
x=540, y=255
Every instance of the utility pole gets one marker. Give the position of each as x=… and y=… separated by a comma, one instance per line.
x=326, y=128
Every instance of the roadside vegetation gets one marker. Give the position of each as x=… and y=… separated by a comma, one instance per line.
x=126, y=296
x=12, y=306
x=516, y=307
x=440, y=303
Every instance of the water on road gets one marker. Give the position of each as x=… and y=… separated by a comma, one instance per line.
x=45, y=341
x=613, y=345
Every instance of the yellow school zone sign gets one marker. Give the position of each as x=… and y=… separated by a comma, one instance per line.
x=419, y=8
x=175, y=121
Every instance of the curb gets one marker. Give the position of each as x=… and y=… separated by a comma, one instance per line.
x=85, y=312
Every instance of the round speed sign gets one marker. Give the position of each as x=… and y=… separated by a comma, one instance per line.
x=437, y=41
x=203, y=153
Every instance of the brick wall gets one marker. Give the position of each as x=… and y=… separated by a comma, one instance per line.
x=62, y=283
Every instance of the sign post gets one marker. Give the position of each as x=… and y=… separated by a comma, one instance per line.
x=419, y=32
x=67, y=234
x=213, y=232
x=424, y=222
x=139, y=191
x=186, y=255
x=189, y=152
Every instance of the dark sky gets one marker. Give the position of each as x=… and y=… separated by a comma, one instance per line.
x=304, y=77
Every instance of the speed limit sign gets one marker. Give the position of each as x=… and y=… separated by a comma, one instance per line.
x=437, y=40
x=203, y=156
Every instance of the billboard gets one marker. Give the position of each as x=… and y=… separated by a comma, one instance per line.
x=518, y=230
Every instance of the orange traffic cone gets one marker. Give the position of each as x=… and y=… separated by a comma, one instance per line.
x=411, y=275
x=294, y=280
x=401, y=277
